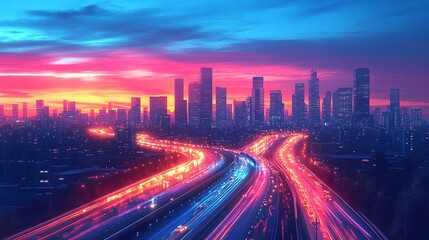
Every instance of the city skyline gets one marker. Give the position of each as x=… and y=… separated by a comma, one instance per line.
x=41, y=60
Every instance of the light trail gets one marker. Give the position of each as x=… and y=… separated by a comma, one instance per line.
x=336, y=220
x=199, y=165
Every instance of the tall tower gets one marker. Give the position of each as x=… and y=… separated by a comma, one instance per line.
x=39, y=108
x=134, y=115
x=313, y=99
x=326, y=108
x=257, y=101
x=194, y=105
x=361, y=95
x=180, y=105
x=395, y=111
x=343, y=110
x=15, y=112
x=158, y=112
x=206, y=81
x=24, y=111
x=298, y=104
x=220, y=107
x=276, y=108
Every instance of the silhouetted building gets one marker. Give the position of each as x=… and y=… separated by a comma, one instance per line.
x=180, y=105
x=416, y=117
x=158, y=117
x=378, y=119
x=229, y=114
x=313, y=99
x=257, y=107
x=1, y=111
x=24, y=111
x=248, y=111
x=342, y=106
x=206, y=96
x=65, y=105
x=145, y=116
x=240, y=114
x=361, y=89
x=194, y=105
x=395, y=110
x=15, y=112
x=326, y=108
x=39, y=108
x=298, y=104
x=134, y=114
x=406, y=118
x=221, y=107
x=276, y=108
x=121, y=116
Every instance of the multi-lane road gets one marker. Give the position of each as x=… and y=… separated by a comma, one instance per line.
x=216, y=193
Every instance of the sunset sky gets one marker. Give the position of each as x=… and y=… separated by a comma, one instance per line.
x=95, y=52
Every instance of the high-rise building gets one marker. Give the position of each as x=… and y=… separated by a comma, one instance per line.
x=206, y=98
x=145, y=116
x=257, y=107
x=24, y=111
x=298, y=104
x=15, y=112
x=406, y=118
x=326, y=108
x=194, y=105
x=39, y=108
x=416, y=117
x=220, y=107
x=342, y=102
x=72, y=108
x=180, y=112
x=121, y=116
x=276, y=108
x=180, y=105
x=361, y=91
x=1, y=111
x=229, y=114
x=134, y=114
x=248, y=111
x=158, y=117
x=378, y=118
x=46, y=111
x=395, y=110
x=240, y=114
x=65, y=105
x=313, y=99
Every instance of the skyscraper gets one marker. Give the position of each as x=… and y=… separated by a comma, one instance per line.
x=206, y=98
x=65, y=105
x=24, y=111
x=248, y=111
x=1, y=111
x=342, y=103
x=298, y=104
x=145, y=116
x=257, y=101
x=276, y=108
x=39, y=108
x=361, y=95
x=121, y=116
x=326, y=108
x=313, y=99
x=395, y=111
x=416, y=117
x=240, y=114
x=194, y=105
x=72, y=108
x=158, y=117
x=220, y=107
x=229, y=114
x=180, y=105
x=134, y=114
x=15, y=112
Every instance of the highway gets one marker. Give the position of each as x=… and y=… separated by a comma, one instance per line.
x=105, y=215
x=318, y=207
x=261, y=191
